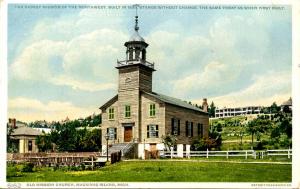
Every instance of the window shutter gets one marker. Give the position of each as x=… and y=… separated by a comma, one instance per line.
x=156, y=130
x=191, y=129
x=178, y=126
x=157, y=127
x=201, y=130
x=106, y=130
x=186, y=128
x=115, y=133
x=172, y=125
x=147, y=131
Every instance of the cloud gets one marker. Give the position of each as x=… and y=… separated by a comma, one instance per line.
x=28, y=109
x=265, y=89
x=218, y=62
x=84, y=63
x=82, y=85
x=217, y=59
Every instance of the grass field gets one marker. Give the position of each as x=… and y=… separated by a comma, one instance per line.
x=166, y=171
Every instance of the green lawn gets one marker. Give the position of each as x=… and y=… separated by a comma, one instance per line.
x=166, y=171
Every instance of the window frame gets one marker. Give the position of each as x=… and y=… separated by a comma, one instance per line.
x=156, y=130
x=114, y=133
x=111, y=113
x=189, y=128
x=127, y=113
x=175, y=126
x=152, y=110
x=200, y=130
x=30, y=145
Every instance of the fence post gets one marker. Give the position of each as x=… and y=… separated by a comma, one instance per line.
x=289, y=153
x=254, y=155
x=246, y=155
x=206, y=152
x=92, y=162
x=262, y=155
x=171, y=152
x=227, y=154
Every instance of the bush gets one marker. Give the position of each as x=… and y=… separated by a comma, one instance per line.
x=74, y=168
x=27, y=167
x=82, y=167
x=13, y=171
x=198, y=145
x=89, y=168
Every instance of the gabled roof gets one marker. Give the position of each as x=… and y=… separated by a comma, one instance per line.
x=174, y=101
x=161, y=97
x=108, y=103
x=28, y=131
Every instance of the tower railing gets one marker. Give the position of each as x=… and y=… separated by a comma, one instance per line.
x=136, y=61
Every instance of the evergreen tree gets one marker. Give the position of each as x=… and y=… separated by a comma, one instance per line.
x=211, y=110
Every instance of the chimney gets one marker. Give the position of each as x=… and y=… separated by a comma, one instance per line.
x=205, y=105
x=12, y=122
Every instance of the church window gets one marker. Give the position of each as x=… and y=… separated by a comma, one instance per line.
x=152, y=110
x=200, y=130
x=189, y=129
x=175, y=125
x=127, y=111
x=112, y=133
x=111, y=113
x=152, y=131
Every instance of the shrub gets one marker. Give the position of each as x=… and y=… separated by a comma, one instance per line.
x=82, y=167
x=74, y=168
x=27, y=167
x=13, y=171
x=89, y=168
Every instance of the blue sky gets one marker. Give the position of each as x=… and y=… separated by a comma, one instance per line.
x=61, y=62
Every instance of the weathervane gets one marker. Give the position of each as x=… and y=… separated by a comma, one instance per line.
x=136, y=28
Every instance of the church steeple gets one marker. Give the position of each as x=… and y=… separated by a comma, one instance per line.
x=135, y=72
x=136, y=49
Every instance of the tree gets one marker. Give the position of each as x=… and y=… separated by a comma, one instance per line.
x=274, y=108
x=257, y=127
x=215, y=137
x=211, y=110
x=169, y=141
x=12, y=145
x=44, y=142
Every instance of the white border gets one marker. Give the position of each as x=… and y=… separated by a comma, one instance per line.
x=295, y=91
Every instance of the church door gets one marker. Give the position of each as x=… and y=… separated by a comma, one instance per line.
x=127, y=134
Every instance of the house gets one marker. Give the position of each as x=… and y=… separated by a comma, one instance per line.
x=26, y=137
x=137, y=114
x=230, y=112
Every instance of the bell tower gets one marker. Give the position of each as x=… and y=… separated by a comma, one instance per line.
x=135, y=72
x=135, y=75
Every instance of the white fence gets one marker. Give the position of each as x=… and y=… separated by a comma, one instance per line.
x=230, y=153
x=279, y=153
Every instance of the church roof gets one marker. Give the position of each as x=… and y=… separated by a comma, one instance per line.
x=26, y=131
x=161, y=97
x=174, y=101
x=136, y=37
x=109, y=102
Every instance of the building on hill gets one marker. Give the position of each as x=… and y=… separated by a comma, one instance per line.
x=231, y=112
x=287, y=105
x=138, y=114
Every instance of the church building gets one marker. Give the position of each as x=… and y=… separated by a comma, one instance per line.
x=139, y=115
